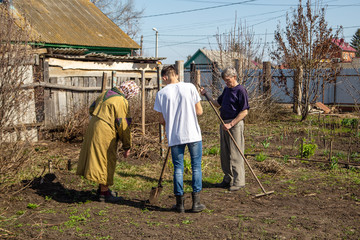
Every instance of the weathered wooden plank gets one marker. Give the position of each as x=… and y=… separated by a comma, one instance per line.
x=81, y=95
x=104, y=82
x=53, y=116
x=92, y=83
x=62, y=101
x=75, y=95
x=69, y=96
x=61, y=87
x=104, y=66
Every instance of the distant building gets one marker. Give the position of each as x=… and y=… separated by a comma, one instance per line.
x=207, y=59
x=344, y=53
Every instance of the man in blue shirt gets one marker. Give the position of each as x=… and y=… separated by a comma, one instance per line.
x=234, y=106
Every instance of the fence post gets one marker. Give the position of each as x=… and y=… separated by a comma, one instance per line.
x=113, y=79
x=179, y=65
x=161, y=127
x=143, y=101
x=267, y=79
x=215, y=85
x=192, y=72
x=197, y=79
x=330, y=153
x=104, y=81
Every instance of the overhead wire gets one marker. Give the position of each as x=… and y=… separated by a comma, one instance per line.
x=197, y=9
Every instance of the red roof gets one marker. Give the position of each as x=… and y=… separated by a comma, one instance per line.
x=343, y=45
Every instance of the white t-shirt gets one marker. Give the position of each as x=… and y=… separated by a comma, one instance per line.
x=177, y=102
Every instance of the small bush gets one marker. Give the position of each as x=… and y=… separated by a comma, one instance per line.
x=260, y=157
x=350, y=122
x=14, y=158
x=308, y=149
x=212, y=151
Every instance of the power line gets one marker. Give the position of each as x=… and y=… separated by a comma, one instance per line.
x=198, y=9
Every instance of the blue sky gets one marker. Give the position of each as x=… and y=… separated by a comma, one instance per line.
x=182, y=34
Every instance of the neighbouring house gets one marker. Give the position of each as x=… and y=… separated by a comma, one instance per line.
x=78, y=53
x=207, y=59
x=344, y=52
x=212, y=62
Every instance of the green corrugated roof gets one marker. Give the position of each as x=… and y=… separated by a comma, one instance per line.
x=71, y=22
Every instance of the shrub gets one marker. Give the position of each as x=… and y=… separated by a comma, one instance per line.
x=14, y=158
x=349, y=122
x=308, y=149
x=260, y=157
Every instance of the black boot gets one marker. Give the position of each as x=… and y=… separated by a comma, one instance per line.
x=179, y=207
x=197, y=206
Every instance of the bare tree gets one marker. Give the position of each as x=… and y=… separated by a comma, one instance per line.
x=122, y=13
x=240, y=48
x=15, y=65
x=306, y=47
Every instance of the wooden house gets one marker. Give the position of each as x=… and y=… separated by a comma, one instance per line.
x=78, y=52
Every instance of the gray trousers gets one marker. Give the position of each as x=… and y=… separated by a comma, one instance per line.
x=232, y=162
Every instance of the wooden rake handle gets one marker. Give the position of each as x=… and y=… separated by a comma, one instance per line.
x=163, y=167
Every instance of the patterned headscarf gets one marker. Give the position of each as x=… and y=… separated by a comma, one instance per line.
x=129, y=88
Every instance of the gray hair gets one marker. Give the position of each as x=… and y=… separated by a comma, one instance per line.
x=229, y=72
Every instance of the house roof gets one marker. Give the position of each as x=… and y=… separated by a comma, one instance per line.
x=222, y=58
x=343, y=45
x=71, y=22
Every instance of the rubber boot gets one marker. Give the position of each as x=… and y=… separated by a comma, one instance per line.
x=179, y=207
x=197, y=206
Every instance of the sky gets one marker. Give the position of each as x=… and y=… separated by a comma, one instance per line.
x=184, y=26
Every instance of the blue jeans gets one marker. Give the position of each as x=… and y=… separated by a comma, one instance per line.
x=177, y=154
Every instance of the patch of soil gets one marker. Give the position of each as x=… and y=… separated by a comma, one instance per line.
x=309, y=206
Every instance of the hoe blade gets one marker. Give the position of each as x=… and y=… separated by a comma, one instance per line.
x=155, y=194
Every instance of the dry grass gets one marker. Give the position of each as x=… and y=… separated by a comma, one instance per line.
x=14, y=158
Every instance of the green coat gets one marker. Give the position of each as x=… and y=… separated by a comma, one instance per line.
x=109, y=123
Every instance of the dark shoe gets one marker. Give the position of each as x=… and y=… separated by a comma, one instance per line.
x=235, y=188
x=197, y=206
x=223, y=184
x=109, y=196
x=179, y=207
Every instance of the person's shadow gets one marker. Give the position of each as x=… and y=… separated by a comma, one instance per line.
x=47, y=187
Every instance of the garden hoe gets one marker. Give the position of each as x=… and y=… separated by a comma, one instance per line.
x=237, y=146
x=156, y=191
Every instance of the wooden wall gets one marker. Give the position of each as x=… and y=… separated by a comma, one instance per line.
x=66, y=90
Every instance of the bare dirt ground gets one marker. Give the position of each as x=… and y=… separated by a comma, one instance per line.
x=309, y=202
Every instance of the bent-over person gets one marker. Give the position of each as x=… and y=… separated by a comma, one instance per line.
x=109, y=124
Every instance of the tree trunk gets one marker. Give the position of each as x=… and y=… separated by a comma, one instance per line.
x=298, y=79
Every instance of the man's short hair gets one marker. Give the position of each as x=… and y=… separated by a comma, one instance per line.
x=229, y=72
x=168, y=70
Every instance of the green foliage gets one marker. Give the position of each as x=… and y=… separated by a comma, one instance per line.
x=21, y=212
x=334, y=163
x=355, y=42
x=308, y=149
x=266, y=142
x=32, y=205
x=212, y=151
x=260, y=157
x=350, y=122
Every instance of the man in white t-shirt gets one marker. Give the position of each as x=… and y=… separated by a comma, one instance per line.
x=178, y=104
